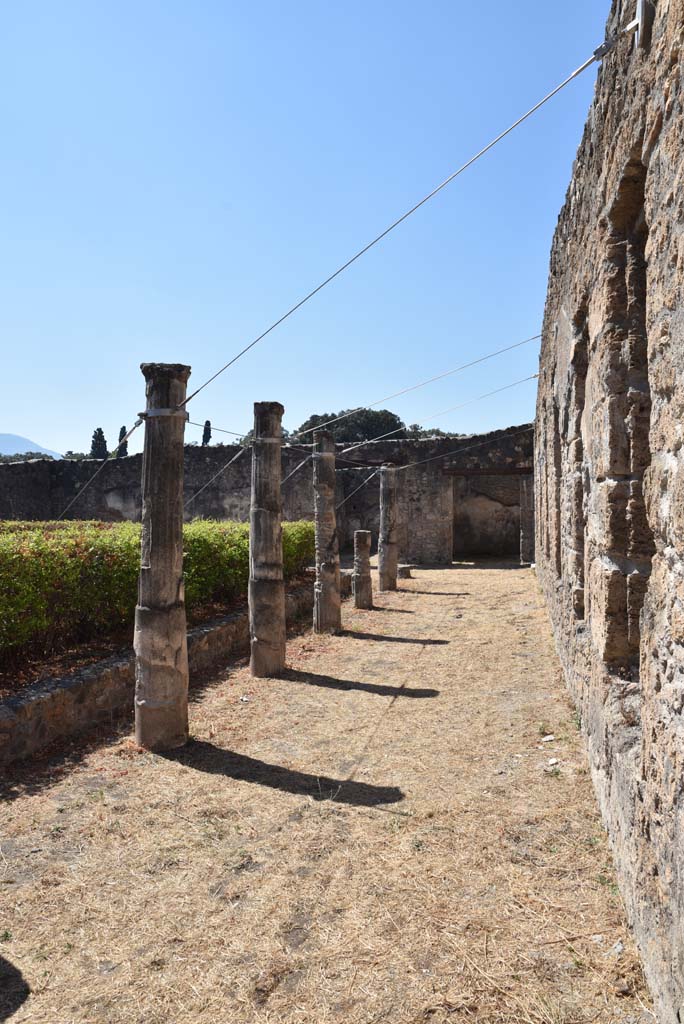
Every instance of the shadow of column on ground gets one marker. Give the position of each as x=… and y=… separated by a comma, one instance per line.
x=14, y=990
x=205, y=757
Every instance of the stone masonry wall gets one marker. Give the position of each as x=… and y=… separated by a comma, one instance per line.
x=487, y=515
x=41, y=489
x=609, y=469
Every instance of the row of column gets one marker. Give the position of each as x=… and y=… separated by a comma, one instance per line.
x=160, y=637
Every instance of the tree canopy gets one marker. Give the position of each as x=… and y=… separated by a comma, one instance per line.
x=25, y=457
x=122, y=449
x=361, y=425
x=358, y=425
x=98, y=445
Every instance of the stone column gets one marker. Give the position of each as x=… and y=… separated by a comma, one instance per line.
x=388, y=545
x=327, y=611
x=160, y=638
x=527, y=556
x=362, y=587
x=266, y=586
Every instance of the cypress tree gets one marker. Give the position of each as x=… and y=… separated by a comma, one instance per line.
x=206, y=436
x=98, y=445
x=122, y=450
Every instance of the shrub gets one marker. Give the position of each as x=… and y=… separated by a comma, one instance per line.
x=66, y=582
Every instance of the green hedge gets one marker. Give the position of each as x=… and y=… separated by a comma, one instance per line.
x=70, y=582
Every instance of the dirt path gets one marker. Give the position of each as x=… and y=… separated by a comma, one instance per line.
x=380, y=837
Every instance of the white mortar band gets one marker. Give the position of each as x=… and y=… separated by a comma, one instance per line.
x=149, y=413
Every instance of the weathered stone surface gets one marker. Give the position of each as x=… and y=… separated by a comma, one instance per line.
x=362, y=587
x=486, y=515
x=609, y=466
x=425, y=509
x=526, y=520
x=484, y=502
x=327, y=616
x=160, y=637
x=266, y=581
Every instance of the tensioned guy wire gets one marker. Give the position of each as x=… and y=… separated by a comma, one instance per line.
x=357, y=489
x=458, y=451
x=215, y=476
x=596, y=55
x=340, y=457
x=296, y=469
x=444, y=455
x=414, y=387
x=453, y=408
x=308, y=458
x=219, y=430
x=387, y=398
x=99, y=469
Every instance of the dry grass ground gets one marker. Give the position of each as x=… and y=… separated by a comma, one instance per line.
x=380, y=837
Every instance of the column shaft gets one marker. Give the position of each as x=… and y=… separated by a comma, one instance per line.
x=327, y=609
x=361, y=578
x=266, y=587
x=160, y=638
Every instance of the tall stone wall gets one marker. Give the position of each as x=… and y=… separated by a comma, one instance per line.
x=609, y=469
x=487, y=515
x=460, y=504
x=42, y=489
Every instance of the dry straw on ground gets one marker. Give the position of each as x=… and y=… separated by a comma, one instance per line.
x=379, y=837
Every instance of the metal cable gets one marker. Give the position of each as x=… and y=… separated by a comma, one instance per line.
x=219, y=430
x=457, y=451
x=112, y=455
x=215, y=476
x=303, y=451
x=414, y=387
x=387, y=398
x=349, y=496
x=349, y=462
x=296, y=470
x=443, y=456
x=447, y=181
x=444, y=412
x=243, y=448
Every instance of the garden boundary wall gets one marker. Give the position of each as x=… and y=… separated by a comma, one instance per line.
x=461, y=504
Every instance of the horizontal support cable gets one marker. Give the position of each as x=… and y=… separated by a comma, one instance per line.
x=422, y=384
x=596, y=55
x=112, y=455
x=216, y=475
x=453, y=408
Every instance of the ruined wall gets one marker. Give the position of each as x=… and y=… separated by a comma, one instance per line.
x=42, y=489
x=487, y=516
x=609, y=468
x=441, y=514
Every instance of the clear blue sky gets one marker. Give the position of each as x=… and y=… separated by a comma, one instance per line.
x=175, y=175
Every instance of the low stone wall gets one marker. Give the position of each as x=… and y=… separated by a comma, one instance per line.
x=54, y=709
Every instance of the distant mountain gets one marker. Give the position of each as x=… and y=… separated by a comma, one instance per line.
x=13, y=444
